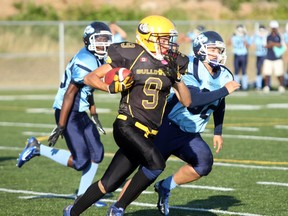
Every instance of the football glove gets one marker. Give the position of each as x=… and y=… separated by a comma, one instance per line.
x=94, y=118
x=57, y=131
x=119, y=86
x=172, y=68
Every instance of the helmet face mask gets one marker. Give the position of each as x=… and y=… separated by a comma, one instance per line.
x=157, y=35
x=97, y=38
x=209, y=47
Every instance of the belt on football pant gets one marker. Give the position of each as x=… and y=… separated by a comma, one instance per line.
x=139, y=125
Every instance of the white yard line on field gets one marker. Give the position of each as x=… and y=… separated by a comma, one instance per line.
x=70, y=196
x=274, y=183
x=253, y=129
x=264, y=138
x=223, y=162
x=51, y=111
x=109, y=97
x=246, y=137
x=281, y=127
x=207, y=187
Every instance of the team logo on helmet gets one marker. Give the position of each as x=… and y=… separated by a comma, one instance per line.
x=88, y=30
x=143, y=28
x=201, y=38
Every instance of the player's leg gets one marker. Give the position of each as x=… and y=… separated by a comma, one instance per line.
x=259, y=64
x=197, y=154
x=83, y=140
x=236, y=62
x=199, y=157
x=92, y=150
x=150, y=158
x=267, y=72
x=279, y=72
x=244, y=63
x=118, y=170
x=35, y=148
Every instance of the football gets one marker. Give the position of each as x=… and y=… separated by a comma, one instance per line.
x=122, y=74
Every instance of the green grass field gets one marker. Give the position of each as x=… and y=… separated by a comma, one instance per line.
x=250, y=174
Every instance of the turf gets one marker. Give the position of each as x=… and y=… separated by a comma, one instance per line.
x=249, y=176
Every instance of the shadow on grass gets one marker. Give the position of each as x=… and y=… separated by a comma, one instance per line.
x=3, y=159
x=203, y=207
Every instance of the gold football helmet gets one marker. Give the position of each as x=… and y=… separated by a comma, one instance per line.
x=157, y=35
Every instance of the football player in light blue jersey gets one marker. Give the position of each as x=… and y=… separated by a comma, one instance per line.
x=209, y=82
x=240, y=42
x=72, y=101
x=259, y=40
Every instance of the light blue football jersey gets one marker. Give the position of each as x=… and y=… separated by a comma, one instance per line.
x=238, y=44
x=80, y=65
x=195, y=120
x=260, y=43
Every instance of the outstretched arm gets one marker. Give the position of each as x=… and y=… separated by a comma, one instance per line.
x=201, y=98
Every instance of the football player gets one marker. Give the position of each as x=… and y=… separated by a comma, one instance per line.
x=209, y=82
x=156, y=66
x=71, y=102
x=240, y=42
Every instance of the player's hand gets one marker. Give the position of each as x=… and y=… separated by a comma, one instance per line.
x=57, y=131
x=232, y=86
x=94, y=118
x=119, y=86
x=218, y=142
x=172, y=68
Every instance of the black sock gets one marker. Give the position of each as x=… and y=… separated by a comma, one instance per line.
x=138, y=184
x=92, y=195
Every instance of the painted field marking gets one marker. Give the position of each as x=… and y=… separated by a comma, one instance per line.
x=252, y=162
x=281, y=127
x=246, y=137
x=253, y=129
x=251, y=166
x=51, y=111
x=265, y=138
x=218, y=162
x=207, y=187
x=109, y=97
x=30, y=125
x=273, y=183
x=69, y=196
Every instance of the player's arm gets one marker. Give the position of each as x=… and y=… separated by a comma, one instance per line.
x=65, y=111
x=93, y=79
x=201, y=98
x=67, y=103
x=218, y=115
x=271, y=44
x=183, y=94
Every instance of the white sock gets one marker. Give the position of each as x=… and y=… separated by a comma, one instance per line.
x=60, y=156
x=87, y=178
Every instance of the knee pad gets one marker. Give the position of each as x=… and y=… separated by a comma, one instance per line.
x=151, y=174
x=204, y=168
x=80, y=165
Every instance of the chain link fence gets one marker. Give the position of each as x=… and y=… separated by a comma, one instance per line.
x=33, y=55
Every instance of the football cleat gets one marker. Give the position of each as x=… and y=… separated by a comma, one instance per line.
x=67, y=210
x=114, y=211
x=163, y=198
x=31, y=150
